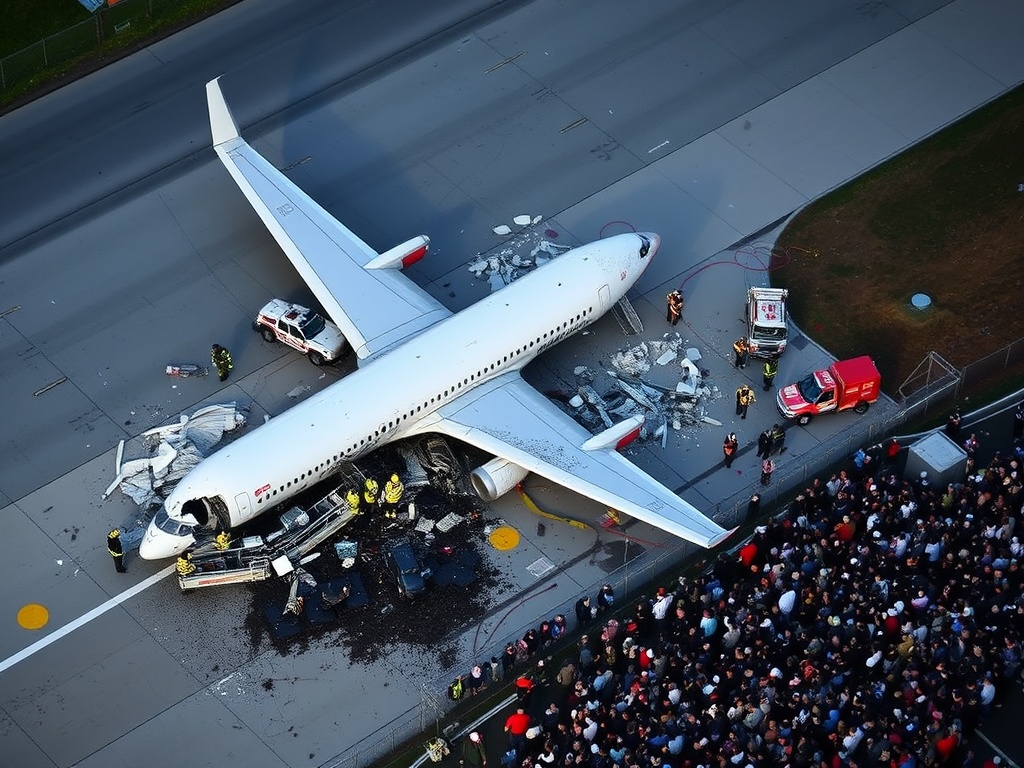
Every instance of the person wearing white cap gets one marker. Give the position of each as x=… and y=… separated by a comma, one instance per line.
x=473, y=750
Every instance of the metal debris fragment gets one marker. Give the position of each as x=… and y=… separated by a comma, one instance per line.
x=635, y=387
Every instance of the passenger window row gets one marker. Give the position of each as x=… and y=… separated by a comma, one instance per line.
x=543, y=341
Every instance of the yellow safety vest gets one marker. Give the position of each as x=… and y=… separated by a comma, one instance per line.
x=221, y=359
x=371, y=490
x=393, y=492
x=352, y=497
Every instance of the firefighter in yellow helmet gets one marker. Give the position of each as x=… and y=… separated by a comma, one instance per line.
x=353, y=499
x=371, y=489
x=115, y=550
x=222, y=541
x=393, y=490
x=185, y=565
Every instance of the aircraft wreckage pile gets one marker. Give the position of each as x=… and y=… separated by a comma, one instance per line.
x=641, y=383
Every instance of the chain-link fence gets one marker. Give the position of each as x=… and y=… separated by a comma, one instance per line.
x=974, y=373
x=68, y=46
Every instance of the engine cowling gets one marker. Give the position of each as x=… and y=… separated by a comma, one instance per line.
x=496, y=478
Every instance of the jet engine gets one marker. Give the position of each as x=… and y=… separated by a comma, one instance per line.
x=496, y=477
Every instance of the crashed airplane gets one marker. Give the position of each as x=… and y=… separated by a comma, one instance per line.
x=422, y=370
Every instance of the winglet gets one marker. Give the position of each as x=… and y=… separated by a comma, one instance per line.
x=721, y=537
x=617, y=436
x=222, y=122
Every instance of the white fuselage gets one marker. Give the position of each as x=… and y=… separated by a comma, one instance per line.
x=393, y=395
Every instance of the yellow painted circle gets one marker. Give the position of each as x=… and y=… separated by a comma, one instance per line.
x=33, y=616
x=504, y=538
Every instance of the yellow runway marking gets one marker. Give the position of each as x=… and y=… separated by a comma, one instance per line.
x=84, y=619
x=33, y=616
x=504, y=538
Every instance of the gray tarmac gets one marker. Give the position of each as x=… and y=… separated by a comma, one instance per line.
x=706, y=125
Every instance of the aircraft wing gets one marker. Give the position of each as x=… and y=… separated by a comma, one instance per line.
x=509, y=418
x=375, y=305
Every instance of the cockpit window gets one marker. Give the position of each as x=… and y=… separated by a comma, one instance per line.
x=164, y=522
x=645, y=248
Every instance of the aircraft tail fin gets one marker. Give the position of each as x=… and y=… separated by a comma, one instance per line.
x=222, y=122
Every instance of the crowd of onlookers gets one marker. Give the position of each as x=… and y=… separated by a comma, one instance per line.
x=876, y=623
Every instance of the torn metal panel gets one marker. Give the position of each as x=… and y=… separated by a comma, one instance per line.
x=589, y=394
x=510, y=262
x=150, y=465
x=639, y=387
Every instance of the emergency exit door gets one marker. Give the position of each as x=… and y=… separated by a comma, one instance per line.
x=604, y=295
x=242, y=502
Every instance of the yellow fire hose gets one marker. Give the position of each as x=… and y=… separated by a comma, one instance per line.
x=532, y=506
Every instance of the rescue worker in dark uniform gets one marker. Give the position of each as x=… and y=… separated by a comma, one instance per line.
x=393, y=490
x=222, y=541
x=778, y=439
x=221, y=360
x=771, y=370
x=115, y=550
x=371, y=489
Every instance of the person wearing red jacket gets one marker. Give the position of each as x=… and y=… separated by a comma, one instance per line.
x=516, y=726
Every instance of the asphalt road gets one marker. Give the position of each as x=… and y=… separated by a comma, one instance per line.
x=126, y=247
x=435, y=135
x=146, y=113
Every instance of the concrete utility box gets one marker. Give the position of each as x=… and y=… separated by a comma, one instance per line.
x=943, y=460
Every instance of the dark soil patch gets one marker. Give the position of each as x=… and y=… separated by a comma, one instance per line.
x=945, y=218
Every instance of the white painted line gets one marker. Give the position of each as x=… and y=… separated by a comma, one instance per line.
x=1006, y=759
x=84, y=619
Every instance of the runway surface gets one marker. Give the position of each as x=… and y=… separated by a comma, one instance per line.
x=127, y=247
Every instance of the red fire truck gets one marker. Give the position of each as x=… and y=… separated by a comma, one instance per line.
x=843, y=385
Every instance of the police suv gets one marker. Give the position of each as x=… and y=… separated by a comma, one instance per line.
x=318, y=339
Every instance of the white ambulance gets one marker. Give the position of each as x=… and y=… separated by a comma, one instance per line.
x=766, y=321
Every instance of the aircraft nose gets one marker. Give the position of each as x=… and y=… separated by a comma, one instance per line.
x=655, y=242
x=157, y=545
